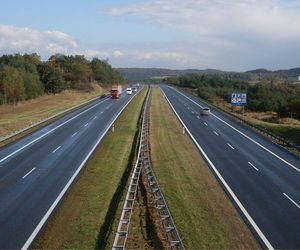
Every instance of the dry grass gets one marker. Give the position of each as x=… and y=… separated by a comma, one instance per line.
x=78, y=221
x=202, y=212
x=15, y=117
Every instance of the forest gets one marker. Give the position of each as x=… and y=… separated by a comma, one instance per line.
x=282, y=98
x=24, y=77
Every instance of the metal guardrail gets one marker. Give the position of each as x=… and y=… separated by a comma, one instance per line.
x=144, y=161
x=124, y=222
x=291, y=147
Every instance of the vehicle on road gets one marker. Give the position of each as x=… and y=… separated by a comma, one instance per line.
x=134, y=89
x=129, y=91
x=116, y=91
x=205, y=111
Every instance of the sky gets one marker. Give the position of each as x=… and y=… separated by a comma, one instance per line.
x=236, y=35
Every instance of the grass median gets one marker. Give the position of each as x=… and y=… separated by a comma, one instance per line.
x=87, y=206
x=201, y=210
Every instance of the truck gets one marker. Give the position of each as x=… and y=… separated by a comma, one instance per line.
x=116, y=91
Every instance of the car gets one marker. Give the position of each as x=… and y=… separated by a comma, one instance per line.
x=205, y=111
x=134, y=89
x=129, y=91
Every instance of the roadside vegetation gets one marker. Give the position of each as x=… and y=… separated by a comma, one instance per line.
x=15, y=117
x=25, y=77
x=269, y=103
x=89, y=207
x=201, y=210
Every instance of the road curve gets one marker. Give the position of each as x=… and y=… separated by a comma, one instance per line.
x=36, y=171
x=262, y=179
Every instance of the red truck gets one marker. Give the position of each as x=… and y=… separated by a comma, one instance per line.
x=116, y=91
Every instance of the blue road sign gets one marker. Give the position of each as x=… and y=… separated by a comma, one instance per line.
x=238, y=99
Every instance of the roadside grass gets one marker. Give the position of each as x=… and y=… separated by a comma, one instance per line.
x=203, y=214
x=15, y=117
x=291, y=134
x=78, y=220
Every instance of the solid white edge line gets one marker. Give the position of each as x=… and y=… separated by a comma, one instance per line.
x=229, y=145
x=74, y=134
x=240, y=132
x=28, y=173
x=229, y=190
x=56, y=149
x=294, y=202
x=48, y=213
x=50, y=131
x=253, y=166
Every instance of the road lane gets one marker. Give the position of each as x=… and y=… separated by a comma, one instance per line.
x=55, y=158
x=261, y=192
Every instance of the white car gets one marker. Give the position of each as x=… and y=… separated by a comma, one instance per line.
x=205, y=111
x=129, y=91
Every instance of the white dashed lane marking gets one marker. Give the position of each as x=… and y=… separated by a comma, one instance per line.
x=252, y=165
x=74, y=134
x=28, y=173
x=291, y=200
x=56, y=149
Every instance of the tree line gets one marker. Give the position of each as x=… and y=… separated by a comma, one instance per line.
x=282, y=98
x=24, y=77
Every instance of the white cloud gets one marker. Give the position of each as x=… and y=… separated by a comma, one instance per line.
x=228, y=34
x=118, y=53
x=159, y=55
x=261, y=18
x=26, y=40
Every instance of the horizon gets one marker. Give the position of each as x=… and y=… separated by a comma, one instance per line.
x=235, y=35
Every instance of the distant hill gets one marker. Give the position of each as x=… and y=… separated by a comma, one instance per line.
x=137, y=74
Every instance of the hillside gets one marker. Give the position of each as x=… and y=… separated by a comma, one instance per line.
x=137, y=74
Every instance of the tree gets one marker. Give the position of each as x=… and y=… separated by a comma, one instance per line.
x=11, y=84
x=54, y=81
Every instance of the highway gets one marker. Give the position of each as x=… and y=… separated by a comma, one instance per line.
x=36, y=171
x=261, y=179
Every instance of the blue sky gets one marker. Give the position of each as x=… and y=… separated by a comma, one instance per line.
x=230, y=35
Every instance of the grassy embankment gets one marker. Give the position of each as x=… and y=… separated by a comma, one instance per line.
x=89, y=207
x=15, y=117
x=202, y=212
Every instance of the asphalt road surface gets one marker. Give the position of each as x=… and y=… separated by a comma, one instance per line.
x=262, y=179
x=36, y=171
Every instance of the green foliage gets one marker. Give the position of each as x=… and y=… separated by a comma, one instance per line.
x=54, y=81
x=25, y=76
x=33, y=85
x=103, y=72
x=284, y=98
x=11, y=84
